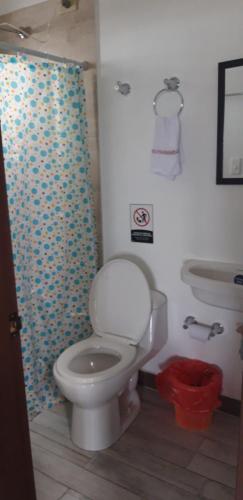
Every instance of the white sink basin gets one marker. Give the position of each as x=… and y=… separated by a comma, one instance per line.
x=213, y=283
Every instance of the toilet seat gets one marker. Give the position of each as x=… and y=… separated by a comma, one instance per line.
x=125, y=352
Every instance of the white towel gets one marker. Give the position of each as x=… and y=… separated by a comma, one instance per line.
x=166, y=152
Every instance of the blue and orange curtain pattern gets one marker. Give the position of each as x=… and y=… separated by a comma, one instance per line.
x=44, y=131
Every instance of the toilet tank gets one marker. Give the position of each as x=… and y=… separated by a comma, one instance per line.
x=156, y=334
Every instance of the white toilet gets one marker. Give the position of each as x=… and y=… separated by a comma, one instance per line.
x=99, y=374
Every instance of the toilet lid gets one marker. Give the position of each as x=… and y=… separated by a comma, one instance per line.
x=120, y=301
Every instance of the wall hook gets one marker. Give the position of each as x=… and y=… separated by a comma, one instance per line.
x=172, y=83
x=123, y=88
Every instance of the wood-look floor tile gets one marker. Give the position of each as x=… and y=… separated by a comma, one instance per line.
x=212, y=469
x=47, y=488
x=62, y=451
x=73, y=495
x=142, y=484
x=157, y=446
x=161, y=423
x=53, y=435
x=148, y=462
x=131, y=452
x=220, y=451
x=53, y=420
x=57, y=428
x=77, y=478
x=224, y=428
x=216, y=491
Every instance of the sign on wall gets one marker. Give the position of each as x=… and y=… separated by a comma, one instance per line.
x=141, y=222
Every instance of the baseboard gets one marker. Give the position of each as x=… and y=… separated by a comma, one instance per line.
x=229, y=405
x=146, y=379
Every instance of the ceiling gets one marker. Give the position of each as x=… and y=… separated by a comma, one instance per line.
x=7, y=6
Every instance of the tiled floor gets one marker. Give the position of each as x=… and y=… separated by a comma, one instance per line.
x=153, y=460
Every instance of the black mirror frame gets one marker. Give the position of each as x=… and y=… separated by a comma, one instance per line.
x=222, y=66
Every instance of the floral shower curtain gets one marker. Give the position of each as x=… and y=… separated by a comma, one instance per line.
x=44, y=129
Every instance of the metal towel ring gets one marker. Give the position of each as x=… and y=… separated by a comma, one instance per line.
x=172, y=85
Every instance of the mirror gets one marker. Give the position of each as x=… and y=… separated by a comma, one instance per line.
x=230, y=123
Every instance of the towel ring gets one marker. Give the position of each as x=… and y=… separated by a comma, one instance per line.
x=172, y=85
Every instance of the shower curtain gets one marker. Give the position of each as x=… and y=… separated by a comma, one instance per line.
x=44, y=130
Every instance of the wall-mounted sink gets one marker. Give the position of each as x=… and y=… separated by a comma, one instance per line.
x=213, y=283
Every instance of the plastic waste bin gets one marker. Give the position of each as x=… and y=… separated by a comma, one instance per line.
x=193, y=387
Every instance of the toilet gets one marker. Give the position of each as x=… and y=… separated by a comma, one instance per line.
x=99, y=374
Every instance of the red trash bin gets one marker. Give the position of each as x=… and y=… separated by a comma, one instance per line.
x=193, y=387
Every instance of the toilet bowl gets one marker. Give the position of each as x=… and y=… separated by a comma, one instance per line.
x=99, y=374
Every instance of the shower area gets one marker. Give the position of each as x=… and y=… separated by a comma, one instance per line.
x=52, y=215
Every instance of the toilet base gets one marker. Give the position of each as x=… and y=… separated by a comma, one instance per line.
x=95, y=429
x=129, y=408
x=98, y=428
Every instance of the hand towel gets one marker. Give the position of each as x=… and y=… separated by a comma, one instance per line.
x=166, y=152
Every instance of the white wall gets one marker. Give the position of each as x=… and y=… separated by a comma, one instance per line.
x=7, y=6
x=142, y=42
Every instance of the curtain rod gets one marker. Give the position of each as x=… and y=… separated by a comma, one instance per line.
x=43, y=55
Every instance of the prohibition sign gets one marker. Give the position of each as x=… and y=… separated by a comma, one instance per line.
x=141, y=217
